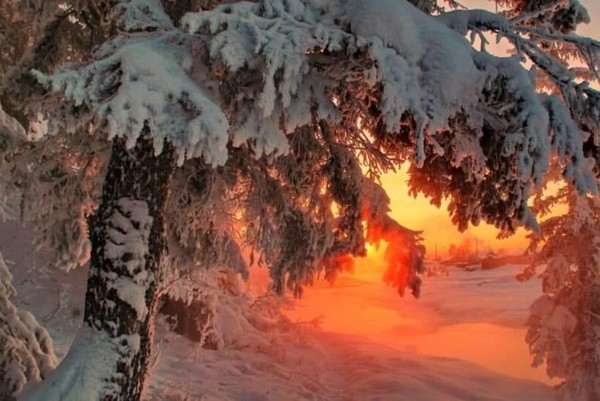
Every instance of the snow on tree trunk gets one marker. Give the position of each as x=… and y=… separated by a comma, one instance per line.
x=109, y=359
x=26, y=352
x=248, y=77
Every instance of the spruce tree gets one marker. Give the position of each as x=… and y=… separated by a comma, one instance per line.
x=283, y=112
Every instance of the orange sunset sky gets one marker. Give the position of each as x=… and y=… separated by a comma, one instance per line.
x=438, y=230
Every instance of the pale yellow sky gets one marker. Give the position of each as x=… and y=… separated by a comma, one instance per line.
x=592, y=29
x=438, y=229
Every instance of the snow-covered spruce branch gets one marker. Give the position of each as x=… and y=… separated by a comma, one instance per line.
x=582, y=101
x=588, y=48
x=465, y=20
x=290, y=85
x=541, y=11
x=152, y=68
x=543, y=34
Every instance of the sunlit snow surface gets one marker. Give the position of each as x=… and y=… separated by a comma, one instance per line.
x=331, y=367
x=462, y=341
x=475, y=316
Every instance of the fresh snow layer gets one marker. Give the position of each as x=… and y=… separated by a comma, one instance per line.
x=464, y=340
x=328, y=367
x=448, y=346
x=475, y=316
x=128, y=234
x=80, y=376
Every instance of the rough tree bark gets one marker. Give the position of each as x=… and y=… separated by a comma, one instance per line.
x=138, y=175
x=109, y=359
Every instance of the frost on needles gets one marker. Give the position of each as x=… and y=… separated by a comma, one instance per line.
x=277, y=111
x=422, y=71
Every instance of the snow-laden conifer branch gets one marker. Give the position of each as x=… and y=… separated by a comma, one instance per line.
x=579, y=101
x=543, y=34
x=253, y=73
x=25, y=346
x=268, y=69
x=410, y=81
x=465, y=20
x=275, y=41
x=142, y=81
x=546, y=9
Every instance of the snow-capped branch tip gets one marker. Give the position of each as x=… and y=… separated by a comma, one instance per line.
x=138, y=83
x=476, y=20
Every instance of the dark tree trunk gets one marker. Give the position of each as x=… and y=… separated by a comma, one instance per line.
x=138, y=177
x=109, y=359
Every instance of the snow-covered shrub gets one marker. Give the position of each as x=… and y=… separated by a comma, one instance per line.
x=213, y=309
x=52, y=183
x=26, y=353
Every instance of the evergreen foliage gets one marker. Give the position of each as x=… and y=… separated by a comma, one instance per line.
x=280, y=115
x=25, y=346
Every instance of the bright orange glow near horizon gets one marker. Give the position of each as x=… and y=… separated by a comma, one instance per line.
x=438, y=230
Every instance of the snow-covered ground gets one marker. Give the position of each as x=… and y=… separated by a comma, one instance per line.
x=330, y=367
x=476, y=316
x=462, y=341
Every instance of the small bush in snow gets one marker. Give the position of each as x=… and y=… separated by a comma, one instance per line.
x=26, y=352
